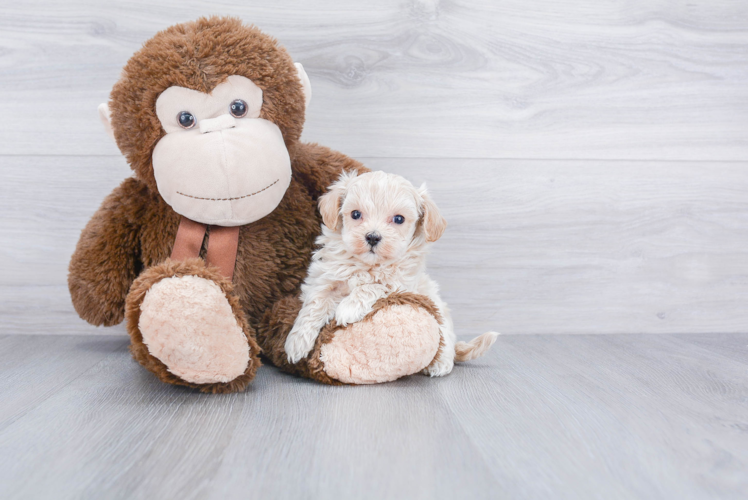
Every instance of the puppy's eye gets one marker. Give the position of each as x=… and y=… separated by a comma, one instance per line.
x=355, y=214
x=398, y=219
x=186, y=119
x=238, y=108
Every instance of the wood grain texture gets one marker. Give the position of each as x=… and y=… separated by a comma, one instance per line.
x=36, y=367
x=615, y=417
x=532, y=246
x=422, y=78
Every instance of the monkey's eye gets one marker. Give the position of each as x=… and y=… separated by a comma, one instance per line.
x=355, y=214
x=238, y=108
x=398, y=219
x=185, y=119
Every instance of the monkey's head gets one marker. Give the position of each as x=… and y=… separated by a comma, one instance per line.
x=205, y=113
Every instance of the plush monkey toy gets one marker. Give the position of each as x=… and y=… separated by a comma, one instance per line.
x=204, y=249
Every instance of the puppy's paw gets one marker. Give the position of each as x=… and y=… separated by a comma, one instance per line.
x=299, y=343
x=350, y=311
x=439, y=368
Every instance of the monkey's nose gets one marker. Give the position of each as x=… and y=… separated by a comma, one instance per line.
x=373, y=238
x=215, y=124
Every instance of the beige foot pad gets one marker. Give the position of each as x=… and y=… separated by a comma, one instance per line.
x=187, y=323
x=392, y=343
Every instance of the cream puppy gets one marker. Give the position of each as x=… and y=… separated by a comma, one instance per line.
x=376, y=232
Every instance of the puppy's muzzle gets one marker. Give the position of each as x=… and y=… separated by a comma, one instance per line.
x=373, y=238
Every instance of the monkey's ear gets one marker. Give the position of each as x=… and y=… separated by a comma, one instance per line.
x=433, y=222
x=305, y=84
x=106, y=119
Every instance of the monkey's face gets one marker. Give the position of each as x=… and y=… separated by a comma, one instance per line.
x=219, y=162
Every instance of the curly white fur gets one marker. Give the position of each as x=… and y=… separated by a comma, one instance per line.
x=348, y=274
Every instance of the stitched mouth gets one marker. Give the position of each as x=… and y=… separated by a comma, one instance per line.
x=230, y=199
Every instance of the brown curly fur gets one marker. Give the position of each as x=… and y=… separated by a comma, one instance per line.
x=135, y=229
x=189, y=267
x=200, y=55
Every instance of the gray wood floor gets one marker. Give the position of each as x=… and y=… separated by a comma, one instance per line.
x=542, y=416
x=592, y=161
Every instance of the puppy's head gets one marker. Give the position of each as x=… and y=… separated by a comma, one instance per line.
x=380, y=216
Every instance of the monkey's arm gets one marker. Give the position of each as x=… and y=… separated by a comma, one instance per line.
x=106, y=259
x=319, y=166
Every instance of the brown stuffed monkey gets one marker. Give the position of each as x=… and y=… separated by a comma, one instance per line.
x=204, y=249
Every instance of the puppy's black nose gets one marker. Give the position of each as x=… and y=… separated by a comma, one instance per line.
x=373, y=238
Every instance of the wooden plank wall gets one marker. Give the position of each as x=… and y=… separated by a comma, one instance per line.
x=591, y=157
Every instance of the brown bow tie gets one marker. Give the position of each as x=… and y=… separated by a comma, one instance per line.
x=222, y=244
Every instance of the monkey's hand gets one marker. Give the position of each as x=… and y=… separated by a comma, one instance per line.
x=105, y=262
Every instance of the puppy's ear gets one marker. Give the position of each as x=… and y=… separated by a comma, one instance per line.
x=433, y=222
x=329, y=203
x=329, y=207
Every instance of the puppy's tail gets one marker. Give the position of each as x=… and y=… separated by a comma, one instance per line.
x=465, y=351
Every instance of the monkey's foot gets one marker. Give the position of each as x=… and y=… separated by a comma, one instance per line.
x=399, y=337
x=187, y=327
x=395, y=341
